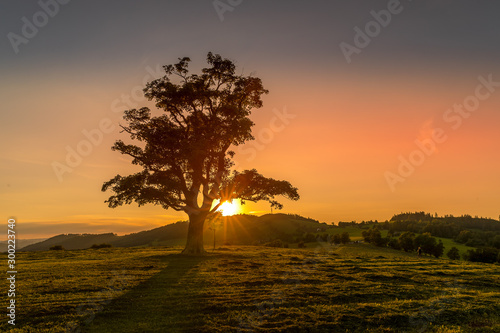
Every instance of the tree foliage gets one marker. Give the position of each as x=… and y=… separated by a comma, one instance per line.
x=485, y=254
x=465, y=229
x=184, y=152
x=406, y=241
x=344, y=237
x=453, y=253
x=374, y=236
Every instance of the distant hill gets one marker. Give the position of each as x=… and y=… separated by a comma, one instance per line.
x=20, y=243
x=72, y=241
x=236, y=229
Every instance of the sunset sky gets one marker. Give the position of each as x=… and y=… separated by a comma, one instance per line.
x=353, y=132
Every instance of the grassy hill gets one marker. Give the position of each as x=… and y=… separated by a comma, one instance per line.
x=20, y=243
x=351, y=288
x=229, y=230
x=237, y=229
x=72, y=241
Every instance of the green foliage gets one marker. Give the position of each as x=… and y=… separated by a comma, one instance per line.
x=374, y=236
x=485, y=254
x=426, y=242
x=407, y=241
x=465, y=229
x=337, y=239
x=393, y=243
x=409, y=216
x=453, y=253
x=464, y=236
x=344, y=238
x=438, y=249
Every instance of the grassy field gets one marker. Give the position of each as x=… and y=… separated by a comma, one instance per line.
x=449, y=243
x=352, y=288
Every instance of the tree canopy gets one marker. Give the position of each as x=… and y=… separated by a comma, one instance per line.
x=185, y=151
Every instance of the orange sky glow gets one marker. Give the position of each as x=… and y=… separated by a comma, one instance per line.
x=349, y=136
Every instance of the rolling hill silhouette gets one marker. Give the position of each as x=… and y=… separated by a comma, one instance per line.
x=235, y=230
x=20, y=243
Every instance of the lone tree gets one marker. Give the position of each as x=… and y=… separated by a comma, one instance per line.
x=184, y=151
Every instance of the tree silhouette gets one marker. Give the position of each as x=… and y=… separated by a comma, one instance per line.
x=184, y=152
x=453, y=253
x=438, y=249
x=406, y=241
x=344, y=237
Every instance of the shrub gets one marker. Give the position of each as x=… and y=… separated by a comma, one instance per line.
x=453, y=254
x=344, y=238
x=438, y=249
x=301, y=245
x=57, y=248
x=337, y=239
x=485, y=254
x=426, y=242
x=374, y=236
x=394, y=244
x=406, y=241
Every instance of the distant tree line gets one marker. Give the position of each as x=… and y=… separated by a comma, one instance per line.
x=407, y=241
x=410, y=242
x=484, y=254
x=309, y=237
x=342, y=238
x=481, y=231
x=298, y=217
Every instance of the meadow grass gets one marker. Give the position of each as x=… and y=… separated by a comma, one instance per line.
x=449, y=243
x=351, y=288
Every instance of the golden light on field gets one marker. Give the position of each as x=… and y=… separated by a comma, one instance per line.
x=228, y=208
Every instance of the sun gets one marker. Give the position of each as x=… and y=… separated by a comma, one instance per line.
x=227, y=208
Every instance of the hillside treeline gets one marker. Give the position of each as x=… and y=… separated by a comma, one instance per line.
x=465, y=229
x=409, y=231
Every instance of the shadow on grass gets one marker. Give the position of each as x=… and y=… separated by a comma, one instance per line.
x=154, y=305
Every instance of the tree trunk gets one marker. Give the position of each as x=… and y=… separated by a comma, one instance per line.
x=194, y=244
